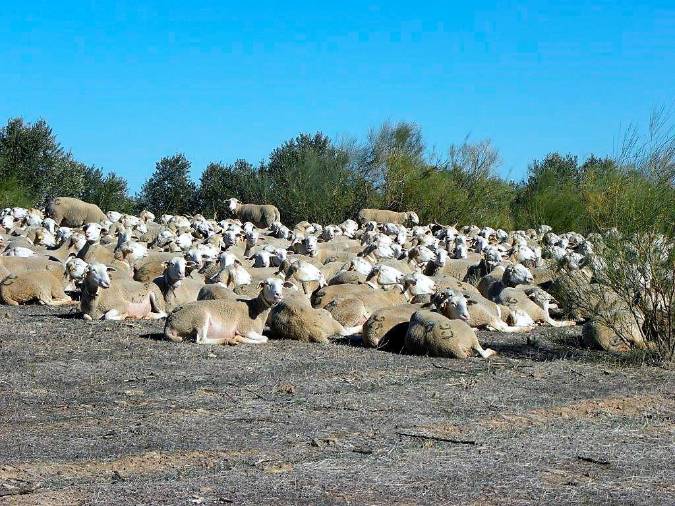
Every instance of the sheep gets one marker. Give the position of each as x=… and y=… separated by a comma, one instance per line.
x=386, y=327
x=216, y=291
x=18, y=265
x=261, y=216
x=222, y=321
x=349, y=228
x=306, y=274
x=386, y=277
x=408, y=218
x=622, y=335
x=42, y=287
x=72, y=212
x=102, y=299
x=435, y=335
x=73, y=274
x=233, y=276
x=296, y=319
x=471, y=309
x=308, y=246
x=175, y=287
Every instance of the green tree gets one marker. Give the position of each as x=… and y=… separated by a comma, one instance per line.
x=311, y=179
x=240, y=180
x=169, y=189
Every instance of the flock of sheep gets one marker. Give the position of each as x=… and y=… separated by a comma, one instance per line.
x=398, y=284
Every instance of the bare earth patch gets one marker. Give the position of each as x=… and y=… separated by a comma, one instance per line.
x=106, y=412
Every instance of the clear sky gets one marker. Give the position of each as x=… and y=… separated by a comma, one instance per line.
x=124, y=83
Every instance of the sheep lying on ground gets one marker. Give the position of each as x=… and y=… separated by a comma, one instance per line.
x=597, y=334
x=383, y=216
x=71, y=212
x=435, y=335
x=469, y=308
x=260, y=215
x=215, y=291
x=102, y=299
x=225, y=321
x=42, y=287
x=296, y=319
x=175, y=287
x=386, y=327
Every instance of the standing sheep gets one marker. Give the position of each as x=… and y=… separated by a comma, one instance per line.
x=261, y=216
x=72, y=212
x=408, y=218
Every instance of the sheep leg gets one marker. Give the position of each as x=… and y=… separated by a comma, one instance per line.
x=503, y=327
x=202, y=334
x=60, y=302
x=114, y=314
x=11, y=302
x=562, y=323
x=485, y=353
x=348, y=331
x=157, y=310
x=251, y=337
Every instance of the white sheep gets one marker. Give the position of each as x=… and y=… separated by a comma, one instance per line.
x=102, y=299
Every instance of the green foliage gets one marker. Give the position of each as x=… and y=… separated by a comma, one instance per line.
x=169, y=189
x=220, y=182
x=311, y=179
x=34, y=167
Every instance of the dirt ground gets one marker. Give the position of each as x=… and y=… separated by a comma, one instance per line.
x=107, y=412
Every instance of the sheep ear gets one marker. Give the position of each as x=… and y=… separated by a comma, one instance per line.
x=288, y=284
x=261, y=284
x=111, y=269
x=471, y=302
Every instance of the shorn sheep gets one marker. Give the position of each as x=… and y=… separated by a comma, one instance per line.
x=225, y=321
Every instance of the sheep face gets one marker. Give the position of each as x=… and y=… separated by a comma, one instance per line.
x=517, y=274
x=50, y=225
x=361, y=265
x=453, y=305
x=76, y=269
x=8, y=221
x=413, y=219
x=97, y=274
x=272, y=290
x=230, y=238
x=175, y=270
x=311, y=245
x=251, y=237
x=232, y=204
x=92, y=232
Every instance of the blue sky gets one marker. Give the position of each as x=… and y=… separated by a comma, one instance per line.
x=125, y=83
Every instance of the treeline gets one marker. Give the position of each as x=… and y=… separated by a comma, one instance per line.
x=314, y=178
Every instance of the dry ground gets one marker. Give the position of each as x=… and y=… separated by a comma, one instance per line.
x=107, y=413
